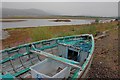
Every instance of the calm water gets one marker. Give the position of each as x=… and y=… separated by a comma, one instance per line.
x=42, y=22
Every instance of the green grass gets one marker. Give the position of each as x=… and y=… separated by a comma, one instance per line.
x=82, y=30
x=86, y=30
x=40, y=33
x=47, y=32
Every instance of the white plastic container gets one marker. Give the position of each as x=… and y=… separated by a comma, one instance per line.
x=49, y=69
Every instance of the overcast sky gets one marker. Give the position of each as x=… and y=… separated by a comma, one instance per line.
x=69, y=8
x=60, y=0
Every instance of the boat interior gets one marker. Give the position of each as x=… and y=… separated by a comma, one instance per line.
x=16, y=61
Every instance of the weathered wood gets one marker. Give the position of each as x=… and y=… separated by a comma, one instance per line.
x=100, y=36
x=70, y=46
x=60, y=59
x=104, y=34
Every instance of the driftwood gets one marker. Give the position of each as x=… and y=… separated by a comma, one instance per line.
x=104, y=34
x=4, y=35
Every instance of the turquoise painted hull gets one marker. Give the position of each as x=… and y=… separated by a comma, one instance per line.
x=74, y=51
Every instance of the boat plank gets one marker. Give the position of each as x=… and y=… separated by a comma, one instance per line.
x=63, y=60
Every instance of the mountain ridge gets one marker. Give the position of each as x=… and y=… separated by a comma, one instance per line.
x=10, y=12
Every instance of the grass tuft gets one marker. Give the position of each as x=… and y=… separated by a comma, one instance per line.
x=40, y=33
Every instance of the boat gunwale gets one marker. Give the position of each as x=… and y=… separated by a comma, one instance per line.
x=32, y=43
x=52, y=39
x=78, y=72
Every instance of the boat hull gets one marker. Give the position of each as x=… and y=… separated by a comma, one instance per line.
x=85, y=74
x=58, y=49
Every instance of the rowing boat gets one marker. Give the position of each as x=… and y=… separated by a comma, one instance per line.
x=66, y=57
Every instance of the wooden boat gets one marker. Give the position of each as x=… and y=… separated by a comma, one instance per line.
x=31, y=60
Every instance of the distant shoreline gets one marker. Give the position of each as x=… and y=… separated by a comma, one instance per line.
x=55, y=17
x=44, y=22
x=11, y=20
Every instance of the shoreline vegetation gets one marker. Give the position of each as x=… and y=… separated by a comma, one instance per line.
x=57, y=17
x=20, y=36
